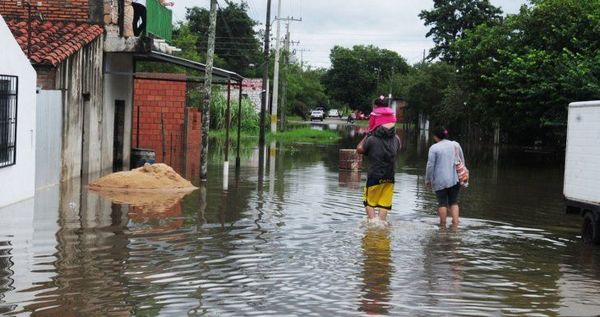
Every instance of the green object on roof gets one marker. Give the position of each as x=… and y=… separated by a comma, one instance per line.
x=159, y=20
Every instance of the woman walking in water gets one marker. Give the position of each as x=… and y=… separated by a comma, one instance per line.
x=441, y=174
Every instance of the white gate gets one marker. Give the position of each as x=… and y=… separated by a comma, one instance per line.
x=48, y=138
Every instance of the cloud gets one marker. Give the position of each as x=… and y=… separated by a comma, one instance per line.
x=390, y=24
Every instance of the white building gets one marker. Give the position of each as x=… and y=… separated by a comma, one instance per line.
x=17, y=121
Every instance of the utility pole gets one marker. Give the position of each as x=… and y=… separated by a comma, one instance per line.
x=210, y=54
x=302, y=50
x=286, y=48
x=391, y=88
x=265, y=82
x=276, y=71
x=276, y=75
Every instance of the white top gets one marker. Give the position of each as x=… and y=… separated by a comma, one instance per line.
x=441, y=168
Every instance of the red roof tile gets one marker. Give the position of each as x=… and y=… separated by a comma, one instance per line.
x=53, y=42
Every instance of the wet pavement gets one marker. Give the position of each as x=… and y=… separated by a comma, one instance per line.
x=293, y=242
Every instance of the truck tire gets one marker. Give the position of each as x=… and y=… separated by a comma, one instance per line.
x=590, y=230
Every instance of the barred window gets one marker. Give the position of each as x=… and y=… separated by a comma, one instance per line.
x=8, y=120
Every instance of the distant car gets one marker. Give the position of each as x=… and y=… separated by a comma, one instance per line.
x=317, y=115
x=322, y=109
x=334, y=113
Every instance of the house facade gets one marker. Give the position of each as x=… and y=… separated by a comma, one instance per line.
x=65, y=47
x=17, y=121
x=85, y=52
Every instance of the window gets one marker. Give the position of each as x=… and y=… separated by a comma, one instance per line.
x=8, y=120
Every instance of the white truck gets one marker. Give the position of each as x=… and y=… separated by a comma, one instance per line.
x=582, y=167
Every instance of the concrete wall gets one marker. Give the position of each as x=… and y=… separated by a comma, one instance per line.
x=251, y=87
x=17, y=182
x=117, y=87
x=81, y=79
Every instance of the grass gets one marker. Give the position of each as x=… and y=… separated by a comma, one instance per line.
x=294, y=118
x=300, y=135
x=305, y=135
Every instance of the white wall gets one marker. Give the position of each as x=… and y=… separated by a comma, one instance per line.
x=48, y=138
x=17, y=182
x=118, y=85
x=582, y=171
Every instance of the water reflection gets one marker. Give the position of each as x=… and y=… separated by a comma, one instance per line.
x=444, y=268
x=377, y=270
x=285, y=238
x=349, y=179
x=6, y=273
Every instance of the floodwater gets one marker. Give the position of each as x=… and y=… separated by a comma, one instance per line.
x=293, y=242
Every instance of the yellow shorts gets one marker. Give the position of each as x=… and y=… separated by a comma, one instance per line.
x=379, y=196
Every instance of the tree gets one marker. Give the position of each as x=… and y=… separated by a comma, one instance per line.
x=356, y=74
x=304, y=89
x=432, y=89
x=450, y=19
x=524, y=71
x=237, y=44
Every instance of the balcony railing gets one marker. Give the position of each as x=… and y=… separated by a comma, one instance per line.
x=159, y=20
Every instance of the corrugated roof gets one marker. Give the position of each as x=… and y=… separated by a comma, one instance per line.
x=53, y=42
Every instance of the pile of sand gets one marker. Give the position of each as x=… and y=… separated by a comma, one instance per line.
x=146, y=178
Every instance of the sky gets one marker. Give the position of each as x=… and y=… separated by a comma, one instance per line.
x=389, y=24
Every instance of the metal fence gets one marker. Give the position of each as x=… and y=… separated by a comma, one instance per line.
x=9, y=89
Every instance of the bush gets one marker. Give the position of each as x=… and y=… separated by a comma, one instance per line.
x=218, y=112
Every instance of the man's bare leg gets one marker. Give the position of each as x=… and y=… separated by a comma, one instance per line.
x=383, y=214
x=443, y=213
x=454, y=211
x=370, y=212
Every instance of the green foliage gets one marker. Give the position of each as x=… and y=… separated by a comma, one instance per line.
x=520, y=71
x=431, y=88
x=525, y=70
x=355, y=75
x=218, y=113
x=186, y=40
x=450, y=19
x=236, y=43
x=304, y=90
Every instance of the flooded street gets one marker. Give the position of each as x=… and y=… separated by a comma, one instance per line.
x=294, y=242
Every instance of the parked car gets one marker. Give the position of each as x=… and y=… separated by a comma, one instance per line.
x=323, y=110
x=317, y=115
x=334, y=113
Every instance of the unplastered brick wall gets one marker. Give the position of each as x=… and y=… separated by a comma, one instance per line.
x=155, y=98
x=51, y=10
x=46, y=77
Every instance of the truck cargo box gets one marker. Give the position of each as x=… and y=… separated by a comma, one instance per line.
x=582, y=166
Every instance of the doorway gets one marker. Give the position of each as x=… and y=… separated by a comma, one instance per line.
x=119, y=134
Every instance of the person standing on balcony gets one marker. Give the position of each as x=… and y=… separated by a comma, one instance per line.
x=139, y=14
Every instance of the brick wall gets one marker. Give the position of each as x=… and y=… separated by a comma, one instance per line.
x=153, y=97
x=46, y=77
x=51, y=10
